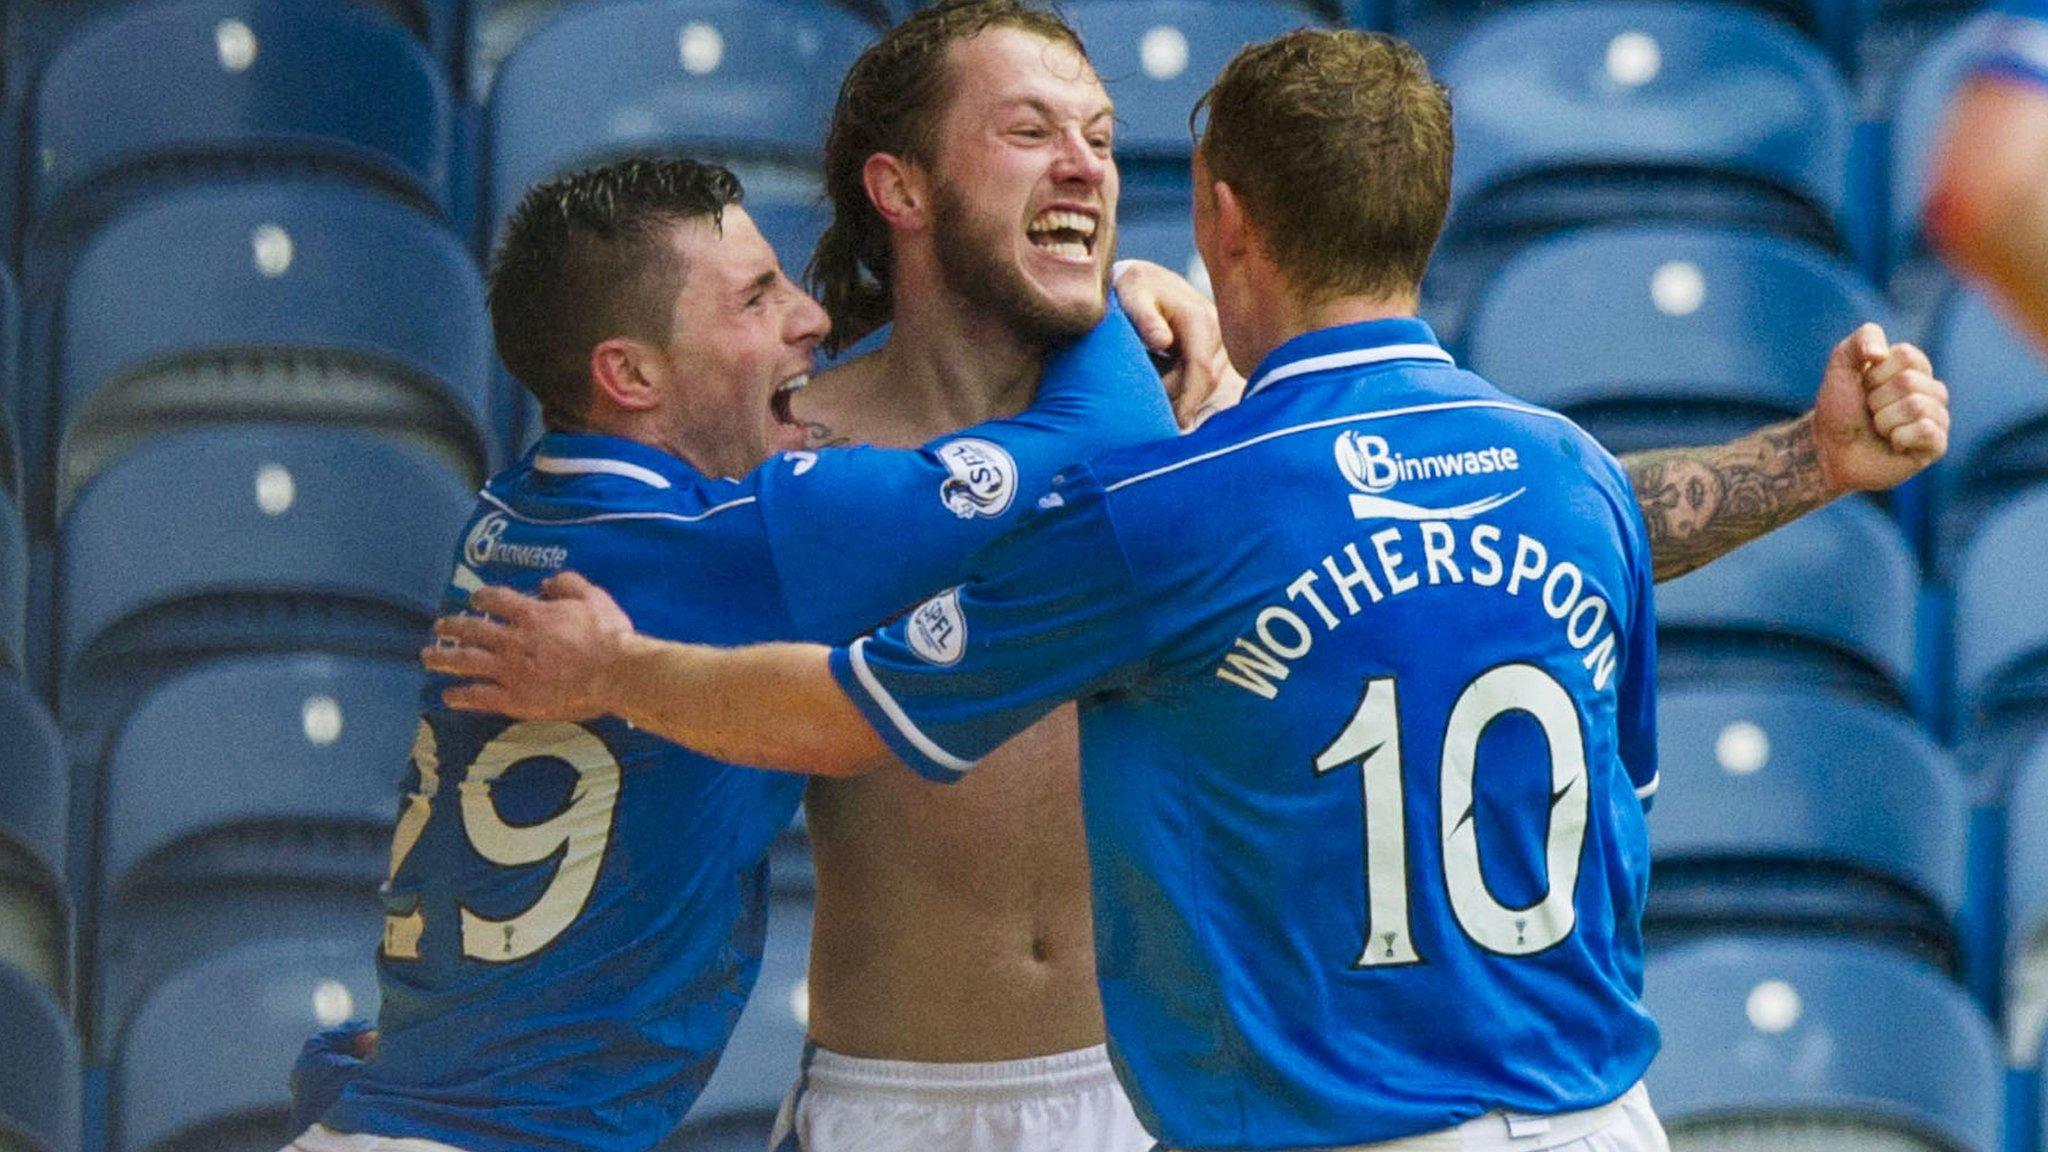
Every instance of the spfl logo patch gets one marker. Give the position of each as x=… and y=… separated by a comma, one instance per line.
x=981, y=479
x=938, y=632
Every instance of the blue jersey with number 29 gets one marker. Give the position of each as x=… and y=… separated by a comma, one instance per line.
x=1365, y=667
x=576, y=911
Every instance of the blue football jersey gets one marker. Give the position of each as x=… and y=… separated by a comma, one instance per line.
x=1365, y=673
x=2016, y=42
x=576, y=911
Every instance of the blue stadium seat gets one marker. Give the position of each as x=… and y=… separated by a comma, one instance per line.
x=239, y=540
x=748, y=82
x=35, y=904
x=272, y=302
x=2025, y=911
x=1589, y=110
x=247, y=797
x=202, y=1066
x=1998, y=444
x=1157, y=57
x=2001, y=620
x=1825, y=601
x=1917, y=116
x=1654, y=335
x=1820, y=1045
x=152, y=91
x=41, y=1107
x=738, y=1106
x=1810, y=813
x=1835, y=25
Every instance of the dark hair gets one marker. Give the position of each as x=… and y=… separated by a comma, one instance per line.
x=589, y=257
x=1338, y=143
x=891, y=101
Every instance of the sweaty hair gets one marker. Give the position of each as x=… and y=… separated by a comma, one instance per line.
x=891, y=102
x=588, y=258
x=1338, y=144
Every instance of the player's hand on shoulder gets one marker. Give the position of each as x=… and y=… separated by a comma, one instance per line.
x=1178, y=324
x=1881, y=415
x=543, y=657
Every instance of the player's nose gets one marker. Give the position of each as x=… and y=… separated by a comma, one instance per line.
x=808, y=321
x=1078, y=161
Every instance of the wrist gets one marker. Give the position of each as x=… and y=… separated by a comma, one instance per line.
x=621, y=658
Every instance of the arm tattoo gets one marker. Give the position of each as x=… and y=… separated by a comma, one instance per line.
x=1702, y=502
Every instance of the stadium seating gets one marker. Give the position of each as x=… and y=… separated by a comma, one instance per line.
x=240, y=540
x=2026, y=906
x=35, y=907
x=738, y=1106
x=1834, y=25
x=185, y=1083
x=278, y=303
x=40, y=1088
x=1654, y=335
x=1998, y=443
x=1811, y=813
x=1819, y=1045
x=1157, y=57
x=1581, y=111
x=749, y=82
x=2001, y=621
x=247, y=797
x=1826, y=601
x=163, y=92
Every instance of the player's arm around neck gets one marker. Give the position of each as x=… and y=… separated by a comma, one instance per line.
x=1879, y=418
x=572, y=654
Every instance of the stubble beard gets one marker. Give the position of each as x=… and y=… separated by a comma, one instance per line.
x=971, y=264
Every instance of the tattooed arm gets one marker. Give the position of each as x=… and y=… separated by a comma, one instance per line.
x=1879, y=418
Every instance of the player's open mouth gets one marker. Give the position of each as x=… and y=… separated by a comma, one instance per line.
x=779, y=403
x=1063, y=232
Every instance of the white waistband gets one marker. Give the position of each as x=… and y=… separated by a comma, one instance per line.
x=1513, y=1131
x=995, y=1080
x=320, y=1138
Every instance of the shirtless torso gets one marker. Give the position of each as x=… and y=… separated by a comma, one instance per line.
x=952, y=924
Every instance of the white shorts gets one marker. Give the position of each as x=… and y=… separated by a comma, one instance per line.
x=320, y=1138
x=1626, y=1125
x=1065, y=1103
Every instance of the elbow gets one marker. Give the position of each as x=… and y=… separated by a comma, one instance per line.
x=1960, y=220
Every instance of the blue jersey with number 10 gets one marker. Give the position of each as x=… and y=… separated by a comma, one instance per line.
x=1364, y=669
x=576, y=911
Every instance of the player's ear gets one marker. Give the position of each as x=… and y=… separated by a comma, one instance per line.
x=1233, y=235
x=623, y=375
x=898, y=189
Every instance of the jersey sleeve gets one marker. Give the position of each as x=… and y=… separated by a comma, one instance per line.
x=1049, y=613
x=1636, y=695
x=2015, y=44
x=860, y=534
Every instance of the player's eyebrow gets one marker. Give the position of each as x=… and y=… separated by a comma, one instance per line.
x=764, y=281
x=1107, y=110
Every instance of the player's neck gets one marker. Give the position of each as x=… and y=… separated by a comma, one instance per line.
x=954, y=367
x=1291, y=316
